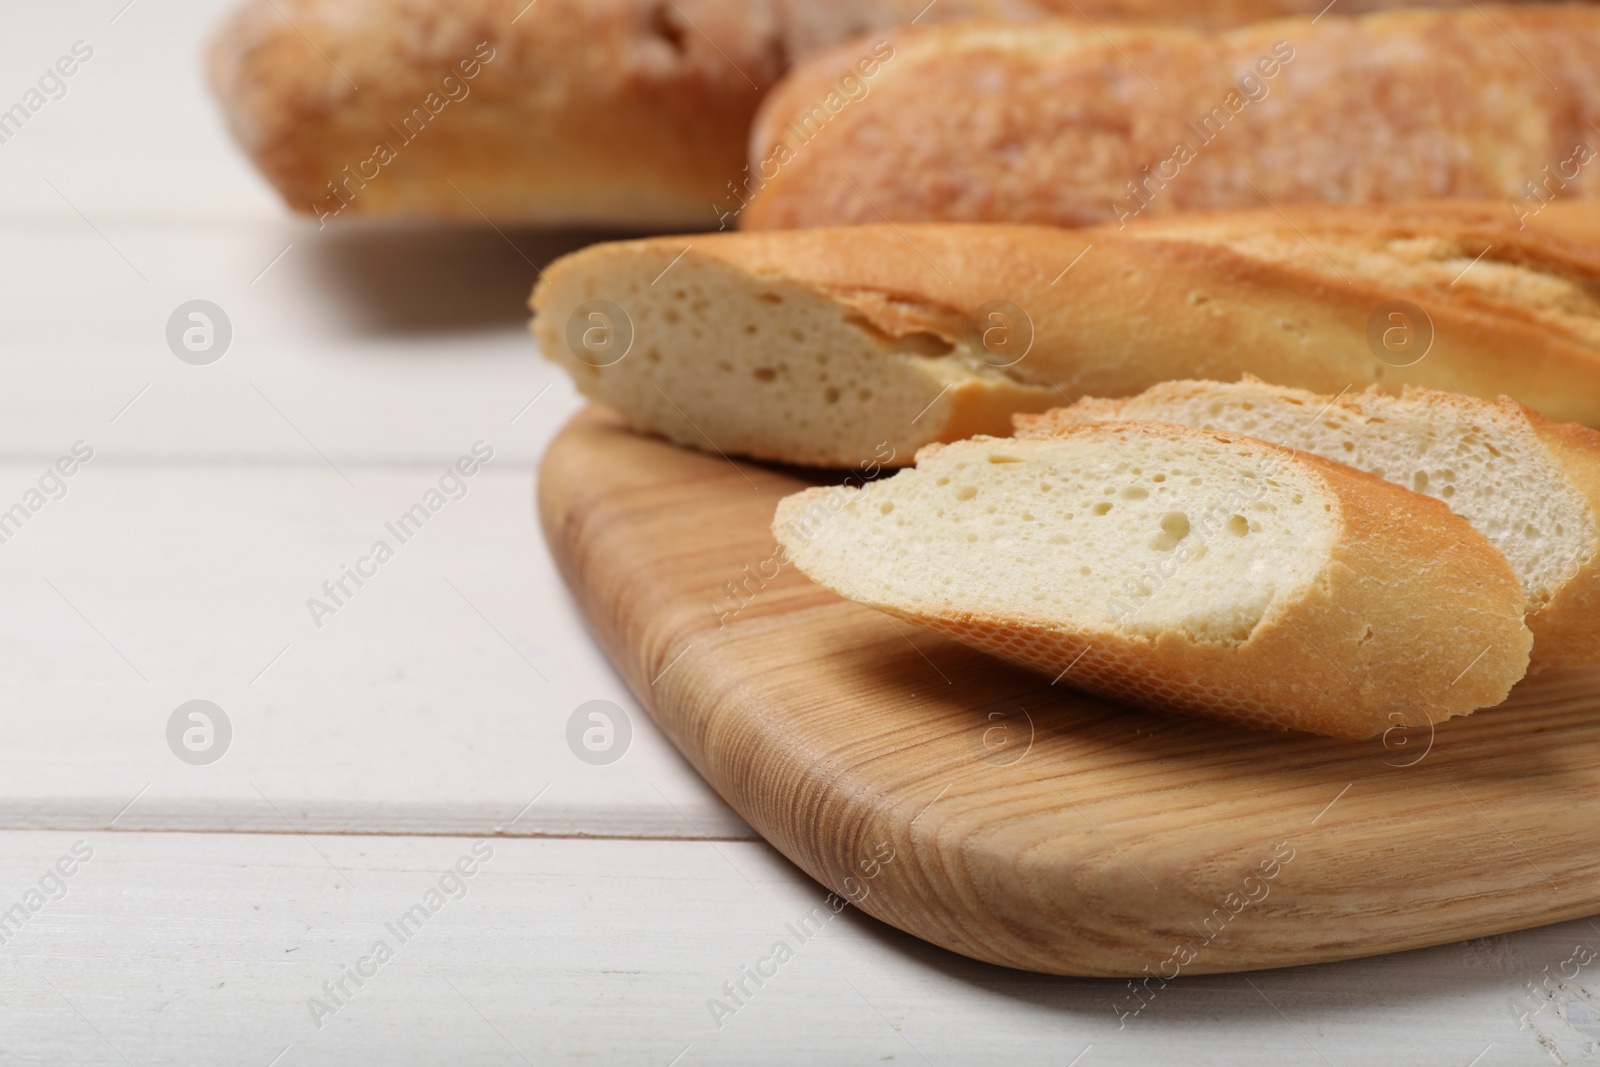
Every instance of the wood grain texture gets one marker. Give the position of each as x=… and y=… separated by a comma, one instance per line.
x=1032, y=826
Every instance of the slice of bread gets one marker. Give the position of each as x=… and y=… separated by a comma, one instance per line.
x=1531, y=486
x=1195, y=570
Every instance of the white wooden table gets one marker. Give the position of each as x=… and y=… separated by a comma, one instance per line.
x=221, y=907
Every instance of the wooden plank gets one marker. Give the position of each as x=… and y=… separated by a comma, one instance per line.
x=435, y=699
x=1036, y=827
x=206, y=949
x=362, y=346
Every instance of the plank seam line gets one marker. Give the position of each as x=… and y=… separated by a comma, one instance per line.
x=462, y=834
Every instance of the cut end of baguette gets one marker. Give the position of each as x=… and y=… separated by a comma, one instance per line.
x=1493, y=462
x=725, y=357
x=1198, y=571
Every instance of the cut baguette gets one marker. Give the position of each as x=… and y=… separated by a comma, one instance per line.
x=818, y=346
x=1531, y=486
x=1200, y=571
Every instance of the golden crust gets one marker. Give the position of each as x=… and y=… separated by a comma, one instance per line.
x=1182, y=299
x=552, y=128
x=1470, y=103
x=1414, y=618
x=1565, y=621
x=602, y=112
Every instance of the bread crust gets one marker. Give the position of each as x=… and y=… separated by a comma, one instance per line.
x=1564, y=620
x=1414, y=618
x=577, y=92
x=625, y=113
x=1075, y=126
x=1115, y=312
x=622, y=113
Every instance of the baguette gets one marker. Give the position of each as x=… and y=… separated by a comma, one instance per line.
x=1531, y=486
x=1200, y=571
x=1078, y=127
x=622, y=113
x=837, y=346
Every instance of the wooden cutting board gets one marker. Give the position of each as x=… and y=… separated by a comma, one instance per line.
x=977, y=806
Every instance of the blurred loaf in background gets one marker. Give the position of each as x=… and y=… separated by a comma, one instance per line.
x=1066, y=124
x=612, y=113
